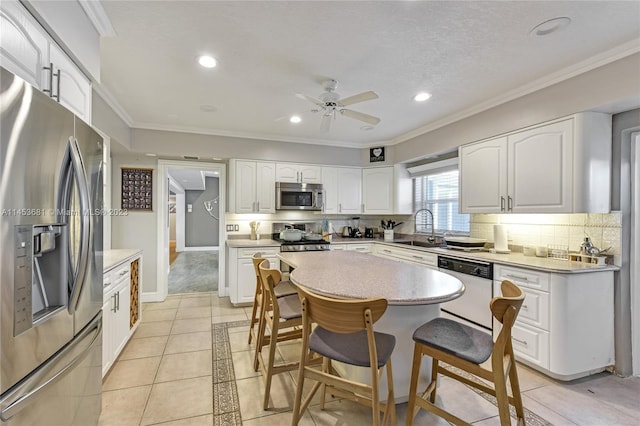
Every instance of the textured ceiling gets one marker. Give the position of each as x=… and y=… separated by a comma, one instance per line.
x=467, y=54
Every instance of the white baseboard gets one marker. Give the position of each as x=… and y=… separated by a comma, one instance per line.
x=205, y=248
x=151, y=297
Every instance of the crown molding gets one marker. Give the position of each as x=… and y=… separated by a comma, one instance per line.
x=98, y=17
x=599, y=60
x=113, y=103
x=246, y=135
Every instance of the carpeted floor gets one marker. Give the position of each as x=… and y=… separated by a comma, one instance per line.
x=194, y=272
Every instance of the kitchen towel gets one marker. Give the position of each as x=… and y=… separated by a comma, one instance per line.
x=500, y=238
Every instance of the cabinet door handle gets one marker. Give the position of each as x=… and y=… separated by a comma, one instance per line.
x=57, y=95
x=123, y=273
x=362, y=208
x=118, y=300
x=509, y=203
x=418, y=257
x=115, y=307
x=50, y=89
x=517, y=277
x=522, y=342
x=257, y=206
x=340, y=208
x=525, y=307
x=386, y=251
x=501, y=204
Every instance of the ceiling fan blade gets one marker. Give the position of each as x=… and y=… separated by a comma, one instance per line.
x=360, y=97
x=310, y=99
x=360, y=116
x=325, y=123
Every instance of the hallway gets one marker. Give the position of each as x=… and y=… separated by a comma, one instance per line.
x=194, y=272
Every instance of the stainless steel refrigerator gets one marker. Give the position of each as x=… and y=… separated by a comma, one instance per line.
x=50, y=261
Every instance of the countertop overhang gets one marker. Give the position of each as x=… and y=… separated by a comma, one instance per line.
x=356, y=275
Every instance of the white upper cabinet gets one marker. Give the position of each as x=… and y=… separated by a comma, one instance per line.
x=349, y=190
x=539, y=167
x=558, y=167
x=29, y=52
x=330, y=189
x=377, y=190
x=483, y=176
x=252, y=187
x=24, y=50
x=298, y=173
x=73, y=89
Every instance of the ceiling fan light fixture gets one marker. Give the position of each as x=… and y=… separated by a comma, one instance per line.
x=295, y=119
x=422, y=96
x=207, y=61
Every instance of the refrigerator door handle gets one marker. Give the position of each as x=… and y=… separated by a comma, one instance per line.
x=28, y=390
x=73, y=170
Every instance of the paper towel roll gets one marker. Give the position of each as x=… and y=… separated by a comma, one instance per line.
x=500, y=238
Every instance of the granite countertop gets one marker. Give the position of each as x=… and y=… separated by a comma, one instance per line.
x=353, y=275
x=512, y=259
x=112, y=258
x=516, y=259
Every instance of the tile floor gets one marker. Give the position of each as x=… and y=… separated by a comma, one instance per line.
x=189, y=363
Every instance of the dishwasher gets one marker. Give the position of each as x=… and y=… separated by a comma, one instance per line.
x=472, y=308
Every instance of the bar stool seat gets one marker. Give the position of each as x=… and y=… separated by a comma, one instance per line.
x=285, y=288
x=290, y=307
x=456, y=339
x=352, y=348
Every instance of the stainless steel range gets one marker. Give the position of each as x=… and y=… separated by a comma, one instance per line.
x=299, y=237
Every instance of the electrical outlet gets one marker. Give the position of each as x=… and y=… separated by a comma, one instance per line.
x=229, y=228
x=236, y=227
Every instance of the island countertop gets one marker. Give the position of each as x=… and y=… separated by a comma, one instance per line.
x=356, y=275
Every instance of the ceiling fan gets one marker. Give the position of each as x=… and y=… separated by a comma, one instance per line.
x=329, y=103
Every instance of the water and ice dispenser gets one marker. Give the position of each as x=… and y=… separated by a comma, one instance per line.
x=41, y=273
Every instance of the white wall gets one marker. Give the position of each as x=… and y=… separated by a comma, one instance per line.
x=103, y=118
x=207, y=146
x=137, y=229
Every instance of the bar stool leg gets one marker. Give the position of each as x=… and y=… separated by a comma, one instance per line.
x=413, y=387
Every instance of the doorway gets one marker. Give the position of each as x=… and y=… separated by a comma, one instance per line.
x=191, y=230
x=194, y=237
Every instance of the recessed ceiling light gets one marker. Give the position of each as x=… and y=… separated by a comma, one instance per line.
x=422, y=96
x=367, y=128
x=216, y=158
x=207, y=61
x=150, y=154
x=208, y=108
x=295, y=119
x=550, y=26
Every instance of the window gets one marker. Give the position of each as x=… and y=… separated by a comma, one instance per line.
x=438, y=192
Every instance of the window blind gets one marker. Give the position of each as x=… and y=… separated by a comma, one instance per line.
x=438, y=192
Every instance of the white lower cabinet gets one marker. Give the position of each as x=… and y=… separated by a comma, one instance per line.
x=121, y=309
x=408, y=255
x=115, y=315
x=565, y=325
x=242, y=275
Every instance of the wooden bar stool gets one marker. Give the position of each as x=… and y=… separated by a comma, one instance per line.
x=283, y=316
x=466, y=348
x=284, y=288
x=344, y=333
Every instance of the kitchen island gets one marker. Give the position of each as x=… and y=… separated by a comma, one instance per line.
x=414, y=293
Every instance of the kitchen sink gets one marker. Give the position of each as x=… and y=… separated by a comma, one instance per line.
x=418, y=243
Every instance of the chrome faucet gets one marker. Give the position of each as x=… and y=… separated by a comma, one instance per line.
x=432, y=238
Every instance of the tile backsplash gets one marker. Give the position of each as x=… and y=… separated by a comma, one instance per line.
x=554, y=229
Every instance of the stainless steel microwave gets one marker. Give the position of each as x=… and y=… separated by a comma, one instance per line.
x=298, y=196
